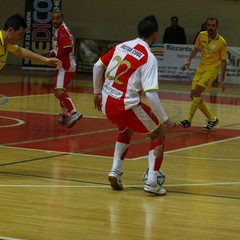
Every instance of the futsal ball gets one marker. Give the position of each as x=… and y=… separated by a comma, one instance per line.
x=160, y=177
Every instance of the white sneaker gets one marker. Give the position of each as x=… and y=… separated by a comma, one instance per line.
x=157, y=190
x=73, y=119
x=115, y=180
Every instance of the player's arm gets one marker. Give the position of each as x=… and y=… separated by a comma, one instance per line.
x=98, y=70
x=64, y=52
x=223, y=71
x=156, y=105
x=49, y=54
x=27, y=54
x=191, y=56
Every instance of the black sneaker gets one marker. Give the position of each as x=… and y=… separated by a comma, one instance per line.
x=211, y=124
x=185, y=124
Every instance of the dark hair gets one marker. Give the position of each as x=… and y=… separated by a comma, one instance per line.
x=15, y=21
x=212, y=18
x=58, y=12
x=174, y=18
x=147, y=26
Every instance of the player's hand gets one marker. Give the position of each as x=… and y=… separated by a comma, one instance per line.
x=222, y=84
x=98, y=101
x=54, y=62
x=170, y=124
x=49, y=54
x=186, y=66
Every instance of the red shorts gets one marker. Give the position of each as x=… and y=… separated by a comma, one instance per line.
x=140, y=119
x=62, y=78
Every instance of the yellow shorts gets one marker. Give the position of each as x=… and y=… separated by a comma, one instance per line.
x=204, y=78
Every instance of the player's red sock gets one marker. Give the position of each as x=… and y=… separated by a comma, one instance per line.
x=120, y=151
x=64, y=110
x=67, y=102
x=158, y=158
x=155, y=158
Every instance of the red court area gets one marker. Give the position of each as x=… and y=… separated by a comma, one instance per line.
x=90, y=135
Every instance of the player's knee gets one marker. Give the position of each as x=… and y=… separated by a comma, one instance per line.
x=125, y=136
x=158, y=134
x=58, y=92
x=158, y=147
x=197, y=91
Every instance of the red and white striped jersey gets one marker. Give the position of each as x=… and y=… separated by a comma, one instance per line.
x=130, y=69
x=63, y=39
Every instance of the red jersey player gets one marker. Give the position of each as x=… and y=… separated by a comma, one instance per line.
x=131, y=68
x=63, y=49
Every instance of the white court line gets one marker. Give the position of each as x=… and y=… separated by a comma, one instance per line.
x=19, y=122
x=107, y=186
x=168, y=153
x=205, y=158
x=204, y=144
x=7, y=238
x=27, y=96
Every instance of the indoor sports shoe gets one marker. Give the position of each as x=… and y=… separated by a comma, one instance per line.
x=185, y=124
x=63, y=120
x=211, y=124
x=73, y=119
x=157, y=190
x=115, y=180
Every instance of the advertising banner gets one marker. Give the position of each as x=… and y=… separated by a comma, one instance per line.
x=233, y=65
x=171, y=58
x=88, y=52
x=38, y=36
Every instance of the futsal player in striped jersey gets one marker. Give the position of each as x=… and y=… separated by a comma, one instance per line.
x=129, y=69
x=63, y=49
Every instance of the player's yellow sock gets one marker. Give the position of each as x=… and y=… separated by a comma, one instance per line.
x=194, y=106
x=204, y=109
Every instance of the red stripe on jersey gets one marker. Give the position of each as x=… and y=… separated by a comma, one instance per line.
x=129, y=64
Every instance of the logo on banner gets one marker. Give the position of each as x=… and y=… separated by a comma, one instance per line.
x=38, y=36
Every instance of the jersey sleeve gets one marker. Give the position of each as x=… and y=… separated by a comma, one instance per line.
x=149, y=74
x=197, y=41
x=12, y=47
x=106, y=58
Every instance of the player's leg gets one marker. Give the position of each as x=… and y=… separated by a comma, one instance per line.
x=155, y=159
x=196, y=99
x=62, y=80
x=202, y=81
x=198, y=103
x=120, y=151
x=143, y=120
x=64, y=116
x=206, y=82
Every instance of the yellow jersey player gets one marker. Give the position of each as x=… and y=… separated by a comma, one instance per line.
x=12, y=32
x=213, y=56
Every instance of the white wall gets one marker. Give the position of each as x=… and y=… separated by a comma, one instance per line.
x=117, y=20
